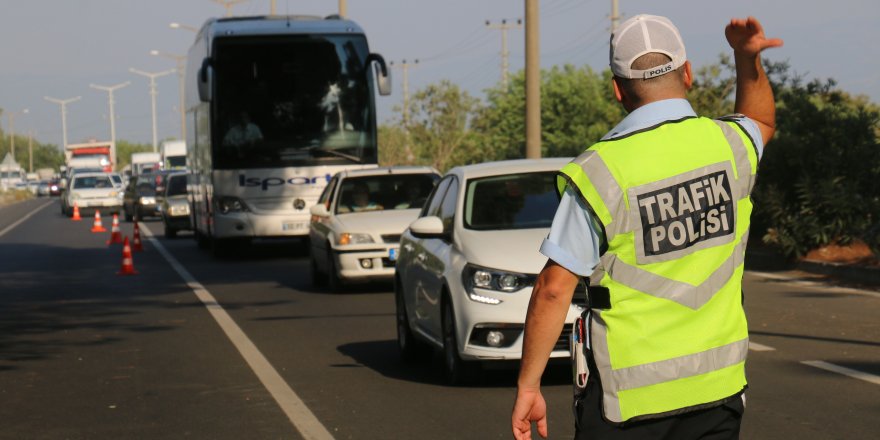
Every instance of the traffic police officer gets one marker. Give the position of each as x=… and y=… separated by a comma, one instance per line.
x=656, y=214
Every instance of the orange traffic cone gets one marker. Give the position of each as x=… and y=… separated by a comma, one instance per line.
x=98, y=226
x=136, y=245
x=115, y=236
x=76, y=216
x=127, y=261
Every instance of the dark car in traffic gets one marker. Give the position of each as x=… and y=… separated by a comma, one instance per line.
x=141, y=198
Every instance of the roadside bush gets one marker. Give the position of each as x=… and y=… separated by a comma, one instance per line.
x=819, y=181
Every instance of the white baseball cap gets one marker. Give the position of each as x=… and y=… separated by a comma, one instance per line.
x=644, y=34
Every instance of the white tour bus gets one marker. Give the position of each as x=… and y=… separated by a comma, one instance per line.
x=276, y=106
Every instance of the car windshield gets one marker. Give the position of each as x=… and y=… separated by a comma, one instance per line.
x=384, y=192
x=117, y=179
x=92, y=182
x=146, y=186
x=515, y=201
x=176, y=186
x=297, y=100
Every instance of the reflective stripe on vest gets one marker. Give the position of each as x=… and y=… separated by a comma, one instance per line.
x=655, y=227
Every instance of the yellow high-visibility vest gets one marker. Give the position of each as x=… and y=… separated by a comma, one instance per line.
x=674, y=204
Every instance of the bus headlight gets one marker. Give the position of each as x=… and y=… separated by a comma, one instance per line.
x=227, y=204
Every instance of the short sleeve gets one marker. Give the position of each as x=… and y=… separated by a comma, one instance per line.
x=573, y=242
x=751, y=128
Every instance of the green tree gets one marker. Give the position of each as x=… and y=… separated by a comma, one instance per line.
x=124, y=149
x=577, y=109
x=439, y=126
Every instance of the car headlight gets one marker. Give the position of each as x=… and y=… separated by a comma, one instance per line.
x=350, y=238
x=176, y=210
x=495, y=280
x=146, y=200
x=226, y=204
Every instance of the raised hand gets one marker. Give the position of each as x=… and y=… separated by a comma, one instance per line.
x=746, y=37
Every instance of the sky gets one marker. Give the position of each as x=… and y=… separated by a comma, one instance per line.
x=57, y=48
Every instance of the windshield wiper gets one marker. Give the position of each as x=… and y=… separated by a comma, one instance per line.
x=350, y=157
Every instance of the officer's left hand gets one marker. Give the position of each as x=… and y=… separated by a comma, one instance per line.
x=529, y=407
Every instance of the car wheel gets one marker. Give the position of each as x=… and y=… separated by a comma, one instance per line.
x=456, y=370
x=170, y=232
x=334, y=281
x=318, y=278
x=411, y=349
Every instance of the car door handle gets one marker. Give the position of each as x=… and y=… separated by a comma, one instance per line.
x=421, y=256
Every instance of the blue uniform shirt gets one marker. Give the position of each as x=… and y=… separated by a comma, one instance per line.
x=574, y=238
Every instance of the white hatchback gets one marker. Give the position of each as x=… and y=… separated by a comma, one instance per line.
x=355, y=228
x=467, y=265
x=93, y=191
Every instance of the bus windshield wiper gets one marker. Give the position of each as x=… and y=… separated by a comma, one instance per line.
x=339, y=154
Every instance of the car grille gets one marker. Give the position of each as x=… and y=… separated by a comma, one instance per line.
x=386, y=262
x=562, y=343
x=391, y=238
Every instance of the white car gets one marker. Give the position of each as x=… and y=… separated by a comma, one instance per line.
x=94, y=191
x=467, y=265
x=355, y=227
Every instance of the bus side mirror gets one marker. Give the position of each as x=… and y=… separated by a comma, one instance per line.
x=383, y=76
x=205, y=80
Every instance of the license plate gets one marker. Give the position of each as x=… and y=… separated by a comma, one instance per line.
x=293, y=226
x=392, y=254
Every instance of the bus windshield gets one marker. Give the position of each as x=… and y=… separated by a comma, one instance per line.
x=296, y=100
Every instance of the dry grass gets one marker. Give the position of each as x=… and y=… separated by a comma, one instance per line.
x=12, y=196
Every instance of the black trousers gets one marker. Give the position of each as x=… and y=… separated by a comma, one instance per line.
x=718, y=423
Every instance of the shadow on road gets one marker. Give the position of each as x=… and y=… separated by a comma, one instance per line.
x=383, y=357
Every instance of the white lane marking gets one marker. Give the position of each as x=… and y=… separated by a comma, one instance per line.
x=856, y=374
x=816, y=284
x=21, y=220
x=295, y=409
x=754, y=346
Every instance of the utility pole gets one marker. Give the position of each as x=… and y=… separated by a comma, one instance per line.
x=153, y=93
x=30, y=151
x=228, y=4
x=110, y=90
x=404, y=65
x=63, y=103
x=343, y=9
x=272, y=7
x=12, y=130
x=505, y=51
x=615, y=16
x=181, y=85
x=533, y=83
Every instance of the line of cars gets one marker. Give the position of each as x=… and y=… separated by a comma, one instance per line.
x=156, y=194
x=461, y=249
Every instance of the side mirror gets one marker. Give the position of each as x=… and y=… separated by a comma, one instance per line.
x=383, y=76
x=428, y=227
x=319, y=210
x=206, y=80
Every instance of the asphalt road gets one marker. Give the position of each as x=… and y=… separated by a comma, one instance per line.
x=246, y=348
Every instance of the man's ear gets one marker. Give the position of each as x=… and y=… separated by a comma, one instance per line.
x=688, y=75
x=618, y=91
